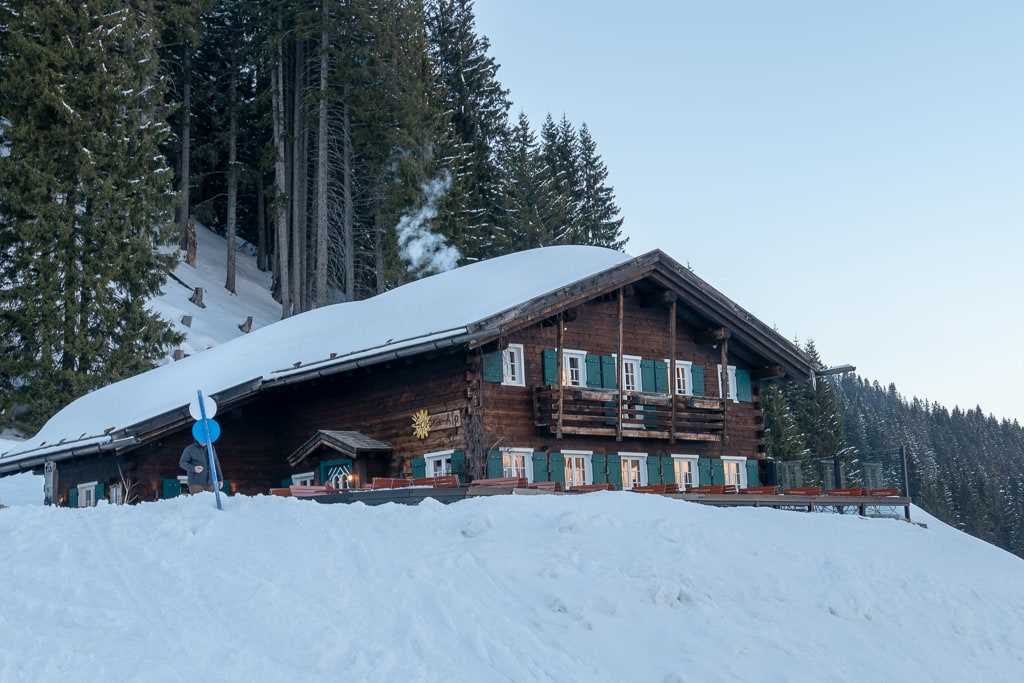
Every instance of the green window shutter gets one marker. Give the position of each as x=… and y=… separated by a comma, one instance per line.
x=599, y=464
x=557, y=463
x=493, y=371
x=661, y=383
x=540, y=466
x=419, y=467
x=653, y=470
x=550, y=367
x=615, y=470
x=608, y=372
x=668, y=470
x=697, y=375
x=459, y=464
x=744, y=390
x=717, y=471
x=170, y=488
x=286, y=482
x=704, y=471
x=101, y=492
x=495, y=470
x=73, y=497
x=224, y=488
x=647, y=380
x=594, y=380
x=753, y=476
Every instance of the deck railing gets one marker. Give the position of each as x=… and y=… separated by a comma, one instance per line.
x=595, y=412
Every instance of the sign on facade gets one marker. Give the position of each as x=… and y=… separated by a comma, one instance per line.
x=423, y=423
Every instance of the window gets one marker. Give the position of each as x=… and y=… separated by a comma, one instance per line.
x=516, y=462
x=735, y=471
x=513, y=371
x=578, y=470
x=685, y=468
x=116, y=494
x=634, y=470
x=87, y=494
x=574, y=368
x=631, y=378
x=732, y=382
x=439, y=464
x=684, y=377
x=304, y=479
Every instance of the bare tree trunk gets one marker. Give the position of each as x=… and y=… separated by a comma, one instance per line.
x=346, y=188
x=186, y=142
x=320, y=296
x=378, y=251
x=231, y=221
x=280, y=193
x=298, y=170
x=261, y=223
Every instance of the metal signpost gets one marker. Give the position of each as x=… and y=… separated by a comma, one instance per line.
x=209, y=430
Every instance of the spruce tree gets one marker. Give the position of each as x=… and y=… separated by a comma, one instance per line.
x=85, y=202
x=530, y=204
x=600, y=222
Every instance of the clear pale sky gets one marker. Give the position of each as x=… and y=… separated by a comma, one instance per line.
x=849, y=172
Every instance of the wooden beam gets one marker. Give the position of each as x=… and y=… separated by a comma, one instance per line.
x=723, y=379
x=767, y=373
x=561, y=375
x=672, y=366
x=618, y=370
x=712, y=336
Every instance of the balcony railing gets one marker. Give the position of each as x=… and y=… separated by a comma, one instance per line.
x=595, y=412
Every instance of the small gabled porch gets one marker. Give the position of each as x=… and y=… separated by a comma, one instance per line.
x=340, y=458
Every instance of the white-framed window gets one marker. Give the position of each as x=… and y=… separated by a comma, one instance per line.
x=634, y=470
x=517, y=462
x=87, y=494
x=439, y=463
x=683, y=384
x=574, y=368
x=685, y=469
x=632, y=380
x=116, y=494
x=735, y=471
x=578, y=468
x=303, y=479
x=513, y=368
x=732, y=382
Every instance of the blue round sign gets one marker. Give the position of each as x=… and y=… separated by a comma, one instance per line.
x=199, y=434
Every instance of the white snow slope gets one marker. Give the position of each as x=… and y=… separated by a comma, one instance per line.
x=224, y=312
x=600, y=587
x=20, y=489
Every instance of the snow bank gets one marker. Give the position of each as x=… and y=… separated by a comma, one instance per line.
x=432, y=308
x=603, y=587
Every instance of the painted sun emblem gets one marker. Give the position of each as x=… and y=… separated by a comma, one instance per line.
x=421, y=424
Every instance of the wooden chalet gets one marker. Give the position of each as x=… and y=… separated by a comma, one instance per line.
x=588, y=368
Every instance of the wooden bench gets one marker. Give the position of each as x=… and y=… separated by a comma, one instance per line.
x=761, y=490
x=803, y=491
x=503, y=482
x=591, y=488
x=715, y=489
x=389, y=483
x=282, y=491
x=310, y=491
x=546, y=486
x=448, y=481
x=656, y=488
x=847, y=492
x=883, y=492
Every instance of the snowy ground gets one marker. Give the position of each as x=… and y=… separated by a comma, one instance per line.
x=603, y=587
x=224, y=312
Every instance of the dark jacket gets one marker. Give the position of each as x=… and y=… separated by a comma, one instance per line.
x=193, y=455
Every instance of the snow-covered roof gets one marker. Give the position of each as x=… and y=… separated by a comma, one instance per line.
x=434, y=308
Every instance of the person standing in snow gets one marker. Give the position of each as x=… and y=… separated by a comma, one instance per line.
x=193, y=461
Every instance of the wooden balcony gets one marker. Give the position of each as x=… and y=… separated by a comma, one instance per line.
x=595, y=412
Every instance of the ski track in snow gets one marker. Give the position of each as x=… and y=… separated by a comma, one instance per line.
x=601, y=587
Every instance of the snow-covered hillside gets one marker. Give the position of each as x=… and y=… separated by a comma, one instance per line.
x=602, y=587
x=19, y=489
x=224, y=311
